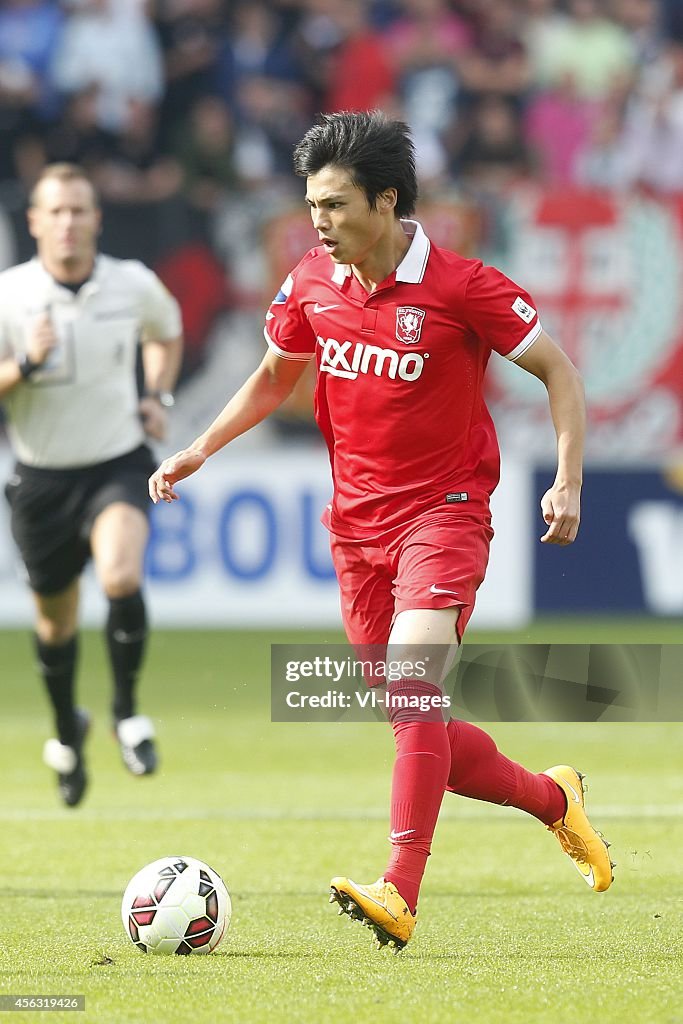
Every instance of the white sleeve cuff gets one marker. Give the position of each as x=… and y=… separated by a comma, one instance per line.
x=526, y=342
x=302, y=357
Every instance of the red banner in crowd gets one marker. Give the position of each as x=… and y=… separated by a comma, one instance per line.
x=605, y=272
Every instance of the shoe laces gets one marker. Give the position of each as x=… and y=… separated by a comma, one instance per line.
x=378, y=889
x=572, y=844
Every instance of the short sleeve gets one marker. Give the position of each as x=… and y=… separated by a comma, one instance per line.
x=501, y=313
x=161, y=318
x=287, y=331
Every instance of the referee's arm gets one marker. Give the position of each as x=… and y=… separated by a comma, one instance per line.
x=15, y=369
x=161, y=363
x=10, y=375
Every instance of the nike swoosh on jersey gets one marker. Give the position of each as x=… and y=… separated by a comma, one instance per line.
x=439, y=590
x=321, y=309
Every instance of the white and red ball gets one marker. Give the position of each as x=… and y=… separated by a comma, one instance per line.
x=176, y=905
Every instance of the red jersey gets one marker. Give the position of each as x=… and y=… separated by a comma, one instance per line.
x=399, y=392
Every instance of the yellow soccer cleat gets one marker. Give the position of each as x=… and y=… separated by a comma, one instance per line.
x=380, y=907
x=587, y=848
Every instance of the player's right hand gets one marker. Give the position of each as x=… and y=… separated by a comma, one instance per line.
x=175, y=467
x=41, y=340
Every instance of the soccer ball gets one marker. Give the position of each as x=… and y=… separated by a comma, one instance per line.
x=176, y=905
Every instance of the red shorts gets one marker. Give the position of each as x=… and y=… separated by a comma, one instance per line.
x=438, y=560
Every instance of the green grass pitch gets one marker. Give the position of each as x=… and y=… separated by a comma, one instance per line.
x=508, y=932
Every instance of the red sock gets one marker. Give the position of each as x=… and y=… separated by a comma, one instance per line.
x=480, y=771
x=423, y=759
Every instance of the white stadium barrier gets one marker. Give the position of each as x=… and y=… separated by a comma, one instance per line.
x=244, y=547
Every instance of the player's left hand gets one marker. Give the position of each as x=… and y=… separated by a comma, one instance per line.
x=154, y=418
x=561, y=508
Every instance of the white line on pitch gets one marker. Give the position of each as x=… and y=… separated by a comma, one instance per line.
x=599, y=812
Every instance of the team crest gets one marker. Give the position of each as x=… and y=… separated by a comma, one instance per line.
x=409, y=322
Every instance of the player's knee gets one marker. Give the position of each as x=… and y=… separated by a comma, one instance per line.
x=53, y=632
x=414, y=700
x=121, y=581
x=425, y=627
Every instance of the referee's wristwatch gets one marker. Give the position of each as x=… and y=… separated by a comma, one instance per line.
x=164, y=398
x=27, y=367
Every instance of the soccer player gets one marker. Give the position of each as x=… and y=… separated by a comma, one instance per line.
x=70, y=322
x=401, y=332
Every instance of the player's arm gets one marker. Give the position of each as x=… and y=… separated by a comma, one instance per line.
x=261, y=394
x=561, y=504
x=161, y=365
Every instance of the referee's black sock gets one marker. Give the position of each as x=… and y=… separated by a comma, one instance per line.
x=57, y=664
x=126, y=636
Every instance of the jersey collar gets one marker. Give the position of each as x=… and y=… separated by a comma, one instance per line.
x=91, y=285
x=412, y=267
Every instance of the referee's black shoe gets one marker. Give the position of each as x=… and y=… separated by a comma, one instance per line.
x=69, y=763
x=136, y=743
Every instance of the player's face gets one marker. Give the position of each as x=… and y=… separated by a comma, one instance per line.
x=65, y=222
x=347, y=227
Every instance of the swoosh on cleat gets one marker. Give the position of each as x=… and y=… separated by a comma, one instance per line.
x=575, y=796
x=381, y=906
x=588, y=876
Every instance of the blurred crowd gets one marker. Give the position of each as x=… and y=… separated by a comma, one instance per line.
x=205, y=98
x=185, y=112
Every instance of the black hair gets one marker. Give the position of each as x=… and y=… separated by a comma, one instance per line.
x=377, y=152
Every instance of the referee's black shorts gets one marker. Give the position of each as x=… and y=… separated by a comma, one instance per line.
x=53, y=511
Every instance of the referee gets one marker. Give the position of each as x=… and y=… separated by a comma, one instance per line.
x=70, y=324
